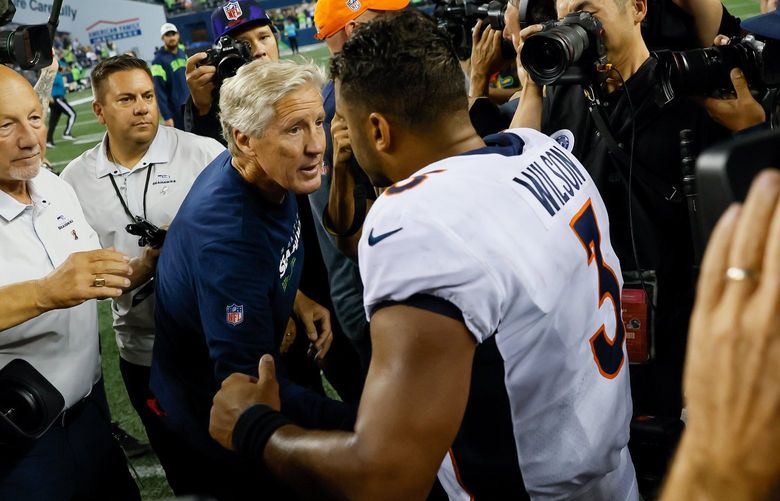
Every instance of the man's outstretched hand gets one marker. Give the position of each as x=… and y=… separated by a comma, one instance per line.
x=238, y=393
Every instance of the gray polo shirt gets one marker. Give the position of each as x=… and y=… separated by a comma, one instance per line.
x=34, y=239
x=172, y=162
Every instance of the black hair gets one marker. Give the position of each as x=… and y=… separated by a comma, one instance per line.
x=108, y=67
x=538, y=11
x=403, y=66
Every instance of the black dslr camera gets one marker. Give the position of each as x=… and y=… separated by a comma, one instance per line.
x=702, y=72
x=566, y=52
x=149, y=234
x=724, y=173
x=458, y=17
x=29, y=403
x=227, y=56
x=27, y=46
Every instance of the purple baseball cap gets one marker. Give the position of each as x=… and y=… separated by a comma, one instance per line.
x=238, y=14
x=767, y=25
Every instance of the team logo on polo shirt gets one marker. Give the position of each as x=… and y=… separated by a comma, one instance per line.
x=163, y=179
x=234, y=314
x=63, y=222
x=232, y=11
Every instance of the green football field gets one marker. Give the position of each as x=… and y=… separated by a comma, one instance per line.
x=88, y=132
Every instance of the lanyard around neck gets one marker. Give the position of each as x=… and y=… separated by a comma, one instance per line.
x=122, y=200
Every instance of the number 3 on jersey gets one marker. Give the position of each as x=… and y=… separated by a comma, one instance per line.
x=608, y=353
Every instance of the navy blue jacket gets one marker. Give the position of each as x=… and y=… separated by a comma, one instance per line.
x=170, y=84
x=225, y=286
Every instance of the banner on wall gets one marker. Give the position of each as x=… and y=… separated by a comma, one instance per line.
x=129, y=25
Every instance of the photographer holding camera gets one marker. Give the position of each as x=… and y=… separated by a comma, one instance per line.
x=129, y=185
x=244, y=32
x=605, y=108
x=488, y=53
x=51, y=270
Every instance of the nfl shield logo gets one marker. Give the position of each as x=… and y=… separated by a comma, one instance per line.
x=235, y=314
x=353, y=5
x=232, y=11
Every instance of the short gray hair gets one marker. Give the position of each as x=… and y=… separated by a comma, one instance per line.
x=247, y=101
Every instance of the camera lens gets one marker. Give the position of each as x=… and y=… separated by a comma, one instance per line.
x=495, y=14
x=6, y=47
x=20, y=406
x=229, y=66
x=548, y=54
x=699, y=72
x=28, y=46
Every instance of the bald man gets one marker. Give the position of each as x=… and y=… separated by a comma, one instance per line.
x=51, y=272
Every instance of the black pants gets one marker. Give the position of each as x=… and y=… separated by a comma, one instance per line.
x=57, y=108
x=136, y=378
x=293, y=44
x=77, y=459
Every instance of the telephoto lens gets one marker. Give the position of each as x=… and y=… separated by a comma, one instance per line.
x=703, y=72
x=27, y=46
x=565, y=51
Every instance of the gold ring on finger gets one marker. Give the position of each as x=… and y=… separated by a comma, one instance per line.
x=737, y=274
x=99, y=282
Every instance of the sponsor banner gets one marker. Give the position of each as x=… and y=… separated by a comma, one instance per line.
x=128, y=25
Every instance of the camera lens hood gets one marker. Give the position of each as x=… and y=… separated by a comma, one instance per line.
x=29, y=403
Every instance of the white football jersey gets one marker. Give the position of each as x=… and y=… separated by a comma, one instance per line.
x=516, y=237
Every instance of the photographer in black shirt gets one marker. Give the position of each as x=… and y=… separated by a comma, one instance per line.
x=630, y=144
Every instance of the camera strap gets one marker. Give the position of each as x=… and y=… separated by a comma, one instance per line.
x=122, y=200
x=668, y=191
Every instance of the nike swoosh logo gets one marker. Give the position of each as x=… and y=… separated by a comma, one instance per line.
x=373, y=240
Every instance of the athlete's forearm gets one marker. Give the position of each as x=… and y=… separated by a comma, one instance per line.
x=338, y=465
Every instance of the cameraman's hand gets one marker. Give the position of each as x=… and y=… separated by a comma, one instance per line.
x=732, y=385
x=200, y=80
x=529, y=110
x=485, y=58
x=738, y=112
x=73, y=281
x=518, y=43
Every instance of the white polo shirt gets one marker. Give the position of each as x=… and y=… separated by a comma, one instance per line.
x=172, y=162
x=35, y=239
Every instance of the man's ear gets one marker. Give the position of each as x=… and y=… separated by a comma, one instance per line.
x=350, y=27
x=640, y=10
x=379, y=132
x=97, y=108
x=243, y=143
